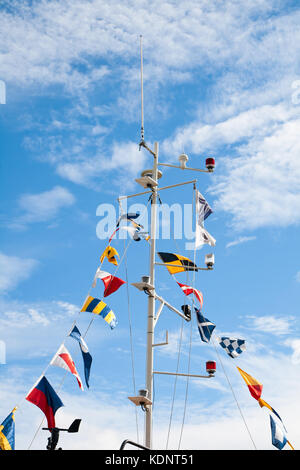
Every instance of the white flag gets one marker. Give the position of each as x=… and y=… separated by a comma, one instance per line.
x=202, y=236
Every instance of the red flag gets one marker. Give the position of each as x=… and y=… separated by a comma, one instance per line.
x=255, y=387
x=111, y=283
x=190, y=290
x=43, y=396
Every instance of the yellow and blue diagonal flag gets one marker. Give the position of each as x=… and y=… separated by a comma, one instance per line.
x=97, y=306
x=7, y=432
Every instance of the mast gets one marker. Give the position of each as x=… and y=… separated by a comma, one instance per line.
x=150, y=183
x=147, y=284
x=151, y=302
x=151, y=298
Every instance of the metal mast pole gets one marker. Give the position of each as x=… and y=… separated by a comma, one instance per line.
x=151, y=304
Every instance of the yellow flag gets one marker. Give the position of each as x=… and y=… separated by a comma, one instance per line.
x=110, y=253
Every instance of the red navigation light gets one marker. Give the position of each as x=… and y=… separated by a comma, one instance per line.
x=210, y=164
x=210, y=367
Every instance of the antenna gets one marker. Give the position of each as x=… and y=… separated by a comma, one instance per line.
x=142, y=90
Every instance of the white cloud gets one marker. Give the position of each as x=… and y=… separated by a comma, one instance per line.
x=125, y=160
x=51, y=42
x=21, y=315
x=239, y=241
x=14, y=270
x=42, y=207
x=258, y=182
x=198, y=137
x=70, y=309
x=297, y=277
x=295, y=345
x=34, y=329
x=261, y=186
x=205, y=416
x=272, y=324
x=232, y=41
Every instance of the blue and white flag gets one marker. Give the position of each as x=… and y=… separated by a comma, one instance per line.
x=87, y=358
x=128, y=216
x=203, y=209
x=278, y=437
x=233, y=346
x=205, y=326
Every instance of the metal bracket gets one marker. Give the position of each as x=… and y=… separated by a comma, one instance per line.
x=163, y=344
x=185, y=168
x=127, y=441
x=169, y=306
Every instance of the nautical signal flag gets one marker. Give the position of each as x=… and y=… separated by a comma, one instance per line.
x=111, y=283
x=7, y=432
x=233, y=346
x=87, y=358
x=203, y=209
x=45, y=397
x=177, y=263
x=136, y=232
x=128, y=216
x=110, y=253
x=205, y=326
x=63, y=359
x=255, y=387
x=203, y=237
x=278, y=437
x=99, y=307
x=190, y=290
x=264, y=403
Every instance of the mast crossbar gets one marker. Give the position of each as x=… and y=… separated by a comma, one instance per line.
x=183, y=375
x=158, y=189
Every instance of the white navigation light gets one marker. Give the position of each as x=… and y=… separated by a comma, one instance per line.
x=183, y=158
x=210, y=260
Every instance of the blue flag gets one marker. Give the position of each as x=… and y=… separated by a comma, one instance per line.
x=7, y=432
x=278, y=438
x=205, y=326
x=203, y=209
x=87, y=358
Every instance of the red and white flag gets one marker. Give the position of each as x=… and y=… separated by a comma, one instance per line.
x=190, y=290
x=111, y=283
x=63, y=359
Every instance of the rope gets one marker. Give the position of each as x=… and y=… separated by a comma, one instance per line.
x=232, y=391
x=175, y=383
x=179, y=351
x=190, y=342
x=178, y=359
x=131, y=346
x=84, y=335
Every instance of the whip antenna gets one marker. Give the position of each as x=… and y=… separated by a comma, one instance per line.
x=142, y=91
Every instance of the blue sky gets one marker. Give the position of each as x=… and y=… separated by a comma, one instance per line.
x=219, y=80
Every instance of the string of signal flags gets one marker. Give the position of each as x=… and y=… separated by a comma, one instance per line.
x=43, y=395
